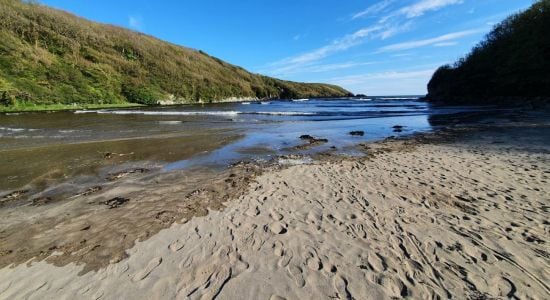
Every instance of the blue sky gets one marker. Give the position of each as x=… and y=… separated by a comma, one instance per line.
x=376, y=47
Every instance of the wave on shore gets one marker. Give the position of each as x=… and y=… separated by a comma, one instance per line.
x=192, y=113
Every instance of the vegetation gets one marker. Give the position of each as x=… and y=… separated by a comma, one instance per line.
x=513, y=62
x=49, y=56
x=27, y=106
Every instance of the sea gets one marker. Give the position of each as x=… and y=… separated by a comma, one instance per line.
x=43, y=148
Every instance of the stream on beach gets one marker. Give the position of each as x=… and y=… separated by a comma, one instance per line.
x=41, y=149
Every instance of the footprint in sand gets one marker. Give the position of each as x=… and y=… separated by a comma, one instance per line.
x=285, y=258
x=503, y=287
x=394, y=286
x=176, y=245
x=216, y=282
x=277, y=227
x=296, y=273
x=253, y=211
x=312, y=260
x=206, y=283
x=276, y=215
x=237, y=263
x=340, y=284
x=314, y=217
x=153, y=264
x=376, y=262
x=278, y=248
x=357, y=231
x=314, y=264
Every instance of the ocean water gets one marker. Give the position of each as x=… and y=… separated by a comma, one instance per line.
x=42, y=148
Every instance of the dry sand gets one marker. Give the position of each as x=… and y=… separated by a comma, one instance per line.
x=466, y=218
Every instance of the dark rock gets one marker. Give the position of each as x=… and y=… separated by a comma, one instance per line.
x=119, y=175
x=398, y=128
x=41, y=201
x=115, y=202
x=312, y=142
x=312, y=139
x=90, y=191
x=357, y=133
x=15, y=195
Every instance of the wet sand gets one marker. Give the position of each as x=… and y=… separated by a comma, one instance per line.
x=36, y=168
x=461, y=213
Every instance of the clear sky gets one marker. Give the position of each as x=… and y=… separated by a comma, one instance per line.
x=375, y=47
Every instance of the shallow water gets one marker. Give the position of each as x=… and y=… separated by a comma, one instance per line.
x=43, y=148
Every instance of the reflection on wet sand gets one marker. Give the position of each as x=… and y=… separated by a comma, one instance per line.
x=44, y=165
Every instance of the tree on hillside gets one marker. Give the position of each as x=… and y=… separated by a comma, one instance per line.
x=512, y=61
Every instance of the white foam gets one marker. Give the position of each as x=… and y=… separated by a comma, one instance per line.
x=170, y=122
x=282, y=113
x=85, y=111
x=398, y=98
x=12, y=129
x=161, y=113
x=299, y=100
x=192, y=113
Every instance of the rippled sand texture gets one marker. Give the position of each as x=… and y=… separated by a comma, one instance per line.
x=461, y=219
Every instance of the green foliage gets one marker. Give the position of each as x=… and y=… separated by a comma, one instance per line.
x=136, y=93
x=49, y=56
x=6, y=99
x=512, y=61
x=17, y=106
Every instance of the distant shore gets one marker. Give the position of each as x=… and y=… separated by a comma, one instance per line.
x=31, y=107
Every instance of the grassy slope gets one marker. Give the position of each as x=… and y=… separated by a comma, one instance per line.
x=511, y=65
x=50, y=56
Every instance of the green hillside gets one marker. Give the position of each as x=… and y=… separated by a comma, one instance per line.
x=49, y=56
x=512, y=64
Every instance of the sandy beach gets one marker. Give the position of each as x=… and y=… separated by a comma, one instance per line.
x=459, y=214
x=275, y=150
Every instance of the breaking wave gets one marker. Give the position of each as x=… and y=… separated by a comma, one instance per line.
x=194, y=113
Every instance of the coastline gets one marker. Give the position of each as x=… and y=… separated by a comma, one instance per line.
x=423, y=216
x=162, y=103
x=62, y=107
